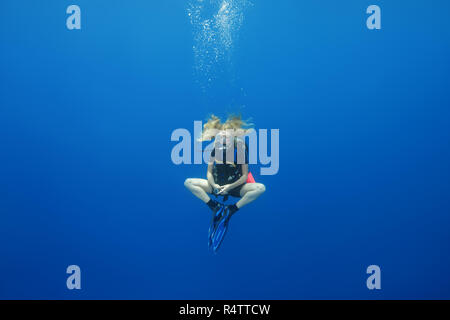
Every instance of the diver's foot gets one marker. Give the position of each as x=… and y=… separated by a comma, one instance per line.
x=213, y=205
x=232, y=208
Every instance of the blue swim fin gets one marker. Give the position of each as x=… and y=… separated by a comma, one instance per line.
x=216, y=216
x=221, y=229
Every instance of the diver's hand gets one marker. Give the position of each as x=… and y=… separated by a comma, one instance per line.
x=215, y=188
x=224, y=189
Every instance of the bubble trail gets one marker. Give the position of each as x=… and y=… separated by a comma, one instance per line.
x=216, y=25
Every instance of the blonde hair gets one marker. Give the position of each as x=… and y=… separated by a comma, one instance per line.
x=233, y=123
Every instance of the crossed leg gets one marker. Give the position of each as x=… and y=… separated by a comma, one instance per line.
x=249, y=193
x=199, y=188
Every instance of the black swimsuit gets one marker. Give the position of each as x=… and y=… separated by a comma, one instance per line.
x=227, y=173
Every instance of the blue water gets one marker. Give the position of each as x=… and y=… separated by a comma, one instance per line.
x=86, y=176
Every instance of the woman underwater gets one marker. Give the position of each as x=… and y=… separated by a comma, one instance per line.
x=227, y=174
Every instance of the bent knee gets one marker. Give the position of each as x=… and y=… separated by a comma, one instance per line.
x=260, y=188
x=188, y=182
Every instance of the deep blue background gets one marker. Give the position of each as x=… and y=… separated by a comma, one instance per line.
x=86, y=176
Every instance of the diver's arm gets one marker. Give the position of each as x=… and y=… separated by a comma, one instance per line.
x=210, y=177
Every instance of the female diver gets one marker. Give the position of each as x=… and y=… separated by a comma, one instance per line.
x=227, y=174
